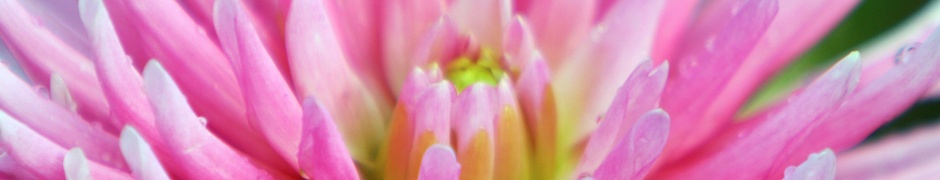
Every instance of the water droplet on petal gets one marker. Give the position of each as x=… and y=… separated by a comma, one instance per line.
x=42, y=91
x=905, y=53
x=202, y=120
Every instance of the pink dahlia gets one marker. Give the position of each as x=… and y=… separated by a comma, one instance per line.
x=424, y=89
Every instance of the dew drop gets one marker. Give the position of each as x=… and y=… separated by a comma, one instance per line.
x=688, y=64
x=905, y=53
x=202, y=120
x=42, y=91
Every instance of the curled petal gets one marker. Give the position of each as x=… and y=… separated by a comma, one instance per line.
x=200, y=152
x=323, y=154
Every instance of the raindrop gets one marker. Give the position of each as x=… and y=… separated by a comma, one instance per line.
x=42, y=91
x=202, y=120
x=904, y=54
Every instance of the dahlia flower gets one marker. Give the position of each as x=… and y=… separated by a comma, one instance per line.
x=424, y=89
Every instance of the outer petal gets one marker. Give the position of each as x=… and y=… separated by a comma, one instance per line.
x=439, y=163
x=637, y=150
x=361, y=33
x=196, y=149
x=140, y=157
x=403, y=22
x=892, y=92
x=320, y=70
x=551, y=19
x=891, y=157
x=272, y=108
x=60, y=125
x=323, y=154
x=41, y=53
x=163, y=30
x=819, y=166
x=706, y=64
x=754, y=152
x=638, y=95
x=42, y=157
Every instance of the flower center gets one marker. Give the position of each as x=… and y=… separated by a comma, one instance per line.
x=464, y=71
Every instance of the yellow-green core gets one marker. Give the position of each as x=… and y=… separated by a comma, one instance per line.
x=463, y=71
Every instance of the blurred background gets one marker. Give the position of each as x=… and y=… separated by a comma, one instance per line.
x=870, y=19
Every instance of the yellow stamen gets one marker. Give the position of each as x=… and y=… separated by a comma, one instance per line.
x=463, y=71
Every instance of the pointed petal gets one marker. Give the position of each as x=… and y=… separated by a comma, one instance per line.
x=397, y=150
x=518, y=45
x=639, y=94
x=439, y=163
x=42, y=157
x=786, y=127
x=432, y=122
x=706, y=64
x=819, y=166
x=140, y=157
x=323, y=154
x=893, y=92
x=320, y=70
x=272, y=108
x=405, y=21
x=166, y=32
x=60, y=125
x=538, y=104
x=483, y=19
x=119, y=80
x=60, y=93
x=201, y=153
x=41, y=53
x=637, y=150
x=512, y=148
x=474, y=113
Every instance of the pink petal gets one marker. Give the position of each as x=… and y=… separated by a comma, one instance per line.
x=623, y=39
x=519, y=45
x=360, y=32
x=196, y=149
x=893, y=92
x=59, y=93
x=891, y=156
x=672, y=27
x=638, y=95
x=533, y=83
x=60, y=125
x=163, y=30
x=637, y=150
x=403, y=22
x=559, y=26
x=797, y=26
x=819, y=166
x=432, y=112
x=706, y=64
x=323, y=155
x=42, y=157
x=439, y=163
x=482, y=19
x=272, y=108
x=268, y=17
x=474, y=110
x=41, y=53
x=755, y=152
x=120, y=82
x=140, y=157
x=320, y=70
x=441, y=44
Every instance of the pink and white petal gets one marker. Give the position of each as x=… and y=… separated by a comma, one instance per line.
x=120, y=82
x=474, y=110
x=360, y=31
x=164, y=31
x=140, y=156
x=672, y=27
x=272, y=108
x=533, y=83
x=482, y=19
x=637, y=150
x=893, y=92
x=59, y=93
x=551, y=19
x=78, y=167
x=439, y=162
x=60, y=17
x=196, y=149
x=60, y=125
x=433, y=112
x=40, y=156
x=320, y=70
x=786, y=127
x=703, y=69
x=519, y=45
x=268, y=18
x=441, y=44
x=638, y=95
x=403, y=22
x=819, y=166
x=891, y=155
x=797, y=27
x=323, y=154
x=41, y=53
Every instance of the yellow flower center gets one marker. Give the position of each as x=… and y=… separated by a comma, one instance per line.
x=463, y=71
